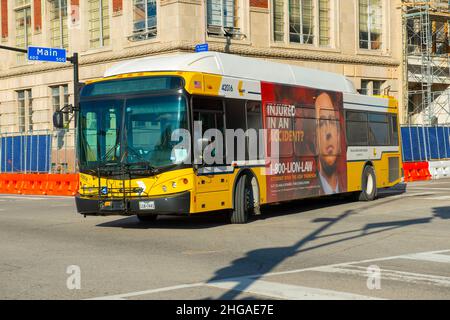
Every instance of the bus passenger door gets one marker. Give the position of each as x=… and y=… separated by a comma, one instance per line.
x=211, y=177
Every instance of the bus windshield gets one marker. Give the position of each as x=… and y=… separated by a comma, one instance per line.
x=130, y=131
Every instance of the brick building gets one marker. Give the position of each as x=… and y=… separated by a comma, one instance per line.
x=358, y=38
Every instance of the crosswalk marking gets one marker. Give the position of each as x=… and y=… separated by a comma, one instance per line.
x=251, y=284
x=431, y=257
x=284, y=291
x=387, y=274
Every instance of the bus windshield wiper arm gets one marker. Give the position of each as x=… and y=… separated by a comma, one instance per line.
x=114, y=148
x=147, y=167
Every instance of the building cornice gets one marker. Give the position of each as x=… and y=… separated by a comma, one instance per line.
x=189, y=46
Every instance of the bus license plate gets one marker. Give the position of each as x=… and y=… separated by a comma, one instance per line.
x=146, y=205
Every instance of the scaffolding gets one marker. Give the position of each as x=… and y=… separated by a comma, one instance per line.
x=426, y=62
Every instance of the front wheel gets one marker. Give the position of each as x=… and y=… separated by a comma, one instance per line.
x=369, y=185
x=243, y=202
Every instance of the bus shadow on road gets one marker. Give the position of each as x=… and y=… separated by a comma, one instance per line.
x=219, y=219
x=201, y=221
x=311, y=204
x=393, y=191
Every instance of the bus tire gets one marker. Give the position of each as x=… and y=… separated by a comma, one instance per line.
x=369, y=185
x=147, y=218
x=240, y=213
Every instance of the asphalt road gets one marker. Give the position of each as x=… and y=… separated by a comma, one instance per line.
x=397, y=247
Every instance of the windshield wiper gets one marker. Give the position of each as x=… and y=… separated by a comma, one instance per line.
x=148, y=168
x=135, y=152
x=114, y=148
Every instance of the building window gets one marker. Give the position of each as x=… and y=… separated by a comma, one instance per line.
x=309, y=21
x=278, y=20
x=98, y=23
x=144, y=20
x=324, y=23
x=223, y=18
x=23, y=26
x=301, y=21
x=440, y=42
x=371, y=87
x=58, y=23
x=60, y=98
x=25, y=110
x=370, y=24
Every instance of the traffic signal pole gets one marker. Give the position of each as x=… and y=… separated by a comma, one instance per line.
x=76, y=82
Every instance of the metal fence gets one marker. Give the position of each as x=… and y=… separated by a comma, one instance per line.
x=46, y=151
x=38, y=151
x=425, y=143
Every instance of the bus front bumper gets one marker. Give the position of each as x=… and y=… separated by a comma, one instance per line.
x=176, y=204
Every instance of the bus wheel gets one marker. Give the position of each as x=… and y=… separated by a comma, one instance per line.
x=242, y=201
x=369, y=185
x=147, y=218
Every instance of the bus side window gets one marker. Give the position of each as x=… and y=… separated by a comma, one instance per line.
x=378, y=129
x=210, y=112
x=394, y=130
x=235, y=115
x=357, y=128
x=254, y=122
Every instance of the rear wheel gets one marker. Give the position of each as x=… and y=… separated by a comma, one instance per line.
x=243, y=201
x=369, y=185
x=147, y=218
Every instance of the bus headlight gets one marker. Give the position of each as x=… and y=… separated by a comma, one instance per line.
x=174, y=185
x=164, y=188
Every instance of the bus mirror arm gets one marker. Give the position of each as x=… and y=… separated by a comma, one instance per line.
x=58, y=116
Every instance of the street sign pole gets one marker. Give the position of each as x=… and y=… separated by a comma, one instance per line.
x=76, y=81
x=76, y=78
x=14, y=49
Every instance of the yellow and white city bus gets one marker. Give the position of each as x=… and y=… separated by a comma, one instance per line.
x=315, y=136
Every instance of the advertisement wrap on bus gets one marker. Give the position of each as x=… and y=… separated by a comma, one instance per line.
x=308, y=125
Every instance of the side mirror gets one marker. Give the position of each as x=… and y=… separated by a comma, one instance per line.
x=58, y=120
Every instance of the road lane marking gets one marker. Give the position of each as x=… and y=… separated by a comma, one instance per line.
x=431, y=257
x=193, y=252
x=284, y=291
x=22, y=198
x=250, y=278
x=438, y=198
x=145, y=292
x=429, y=189
x=394, y=275
x=34, y=198
x=428, y=183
